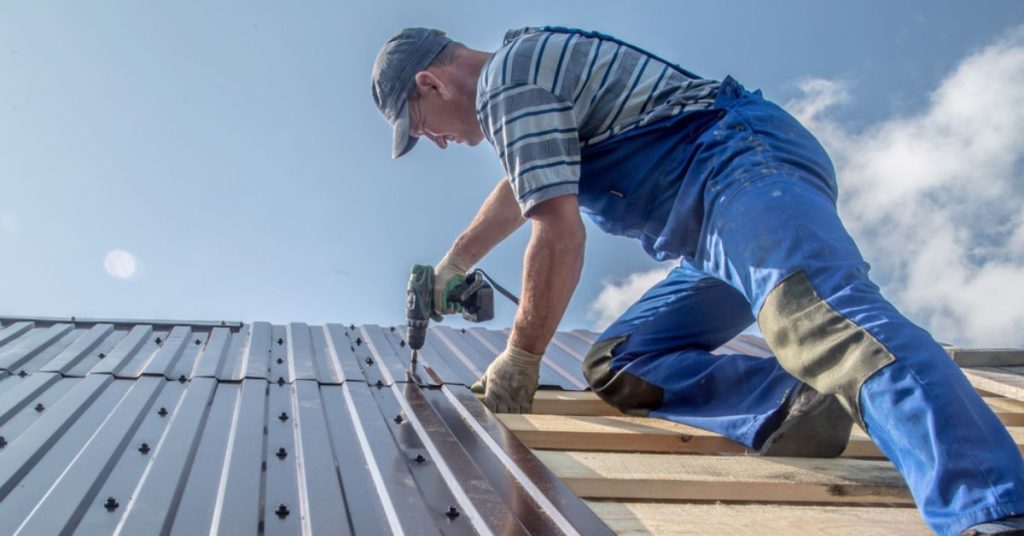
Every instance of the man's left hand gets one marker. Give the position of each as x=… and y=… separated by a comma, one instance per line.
x=510, y=381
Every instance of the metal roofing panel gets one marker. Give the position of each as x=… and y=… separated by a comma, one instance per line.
x=151, y=455
x=329, y=354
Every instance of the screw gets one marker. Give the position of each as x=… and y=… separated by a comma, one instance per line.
x=40, y=407
x=197, y=342
x=144, y=448
x=181, y=378
x=111, y=504
x=3, y=441
x=398, y=419
x=159, y=340
x=279, y=361
x=401, y=343
x=392, y=329
x=22, y=373
x=102, y=355
x=280, y=380
x=280, y=341
x=352, y=327
x=282, y=453
x=282, y=417
x=162, y=412
x=359, y=341
x=452, y=512
x=463, y=330
x=420, y=458
x=379, y=384
x=369, y=361
x=282, y=511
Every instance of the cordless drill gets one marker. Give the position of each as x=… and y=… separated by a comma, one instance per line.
x=474, y=298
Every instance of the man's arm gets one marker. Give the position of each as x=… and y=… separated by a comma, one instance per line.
x=551, y=270
x=498, y=217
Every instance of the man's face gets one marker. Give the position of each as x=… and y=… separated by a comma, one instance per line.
x=444, y=116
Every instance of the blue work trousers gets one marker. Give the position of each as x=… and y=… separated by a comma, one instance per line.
x=756, y=205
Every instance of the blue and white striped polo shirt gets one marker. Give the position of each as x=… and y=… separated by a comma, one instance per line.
x=547, y=93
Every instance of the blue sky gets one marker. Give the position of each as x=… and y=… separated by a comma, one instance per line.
x=233, y=150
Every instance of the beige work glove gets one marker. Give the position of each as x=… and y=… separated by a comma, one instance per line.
x=510, y=381
x=449, y=273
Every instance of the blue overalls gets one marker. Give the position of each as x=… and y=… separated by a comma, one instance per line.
x=747, y=198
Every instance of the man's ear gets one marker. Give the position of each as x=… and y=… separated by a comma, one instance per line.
x=428, y=81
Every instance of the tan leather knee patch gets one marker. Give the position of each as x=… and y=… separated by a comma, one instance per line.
x=621, y=389
x=817, y=344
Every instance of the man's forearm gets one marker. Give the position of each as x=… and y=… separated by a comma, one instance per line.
x=552, y=266
x=498, y=217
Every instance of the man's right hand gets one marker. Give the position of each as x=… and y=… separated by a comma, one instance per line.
x=448, y=274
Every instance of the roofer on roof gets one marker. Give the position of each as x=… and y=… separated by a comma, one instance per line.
x=715, y=175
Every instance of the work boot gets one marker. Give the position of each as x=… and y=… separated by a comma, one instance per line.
x=816, y=426
x=1010, y=526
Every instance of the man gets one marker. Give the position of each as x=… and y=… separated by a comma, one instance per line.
x=715, y=175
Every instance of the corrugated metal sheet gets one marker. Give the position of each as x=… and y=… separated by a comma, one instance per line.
x=157, y=427
x=328, y=354
x=101, y=455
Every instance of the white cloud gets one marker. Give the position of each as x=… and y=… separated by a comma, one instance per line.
x=935, y=199
x=617, y=295
x=119, y=264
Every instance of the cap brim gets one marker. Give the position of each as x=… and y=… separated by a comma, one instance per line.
x=402, y=142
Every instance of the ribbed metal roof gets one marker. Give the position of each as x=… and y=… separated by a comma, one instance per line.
x=329, y=354
x=193, y=428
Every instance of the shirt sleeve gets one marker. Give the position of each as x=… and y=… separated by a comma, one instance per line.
x=537, y=139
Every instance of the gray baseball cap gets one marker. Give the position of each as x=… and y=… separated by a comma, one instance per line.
x=398, y=61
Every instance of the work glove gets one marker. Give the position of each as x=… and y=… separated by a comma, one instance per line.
x=449, y=273
x=510, y=381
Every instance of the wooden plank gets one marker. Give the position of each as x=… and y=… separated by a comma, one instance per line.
x=986, y=357
x=604, y=475
x=671, y=519
x=638, y=434
x=555, y=402
x=1002, y=381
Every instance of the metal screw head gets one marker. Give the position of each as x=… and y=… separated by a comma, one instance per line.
x=3, y=441
x=402, y=343
x=352, y=327
x=280, y=341
x=111, y=503
x=359, y=341
x=280, y=380
x=392, y=329
x=40, y=407
x=144, y=448
x=452, y=512
x=162, y=412
x=282, y=511
x=369, y=361
x=463, y=331
x=398, y=419
x=102, y=355
x=420, y=458
x=22, y=373
x=281, y=453
x=282, y=417
x=159, y=340
x=379, y=384
x=181, y=378
x=279, y=361
x=197, y=342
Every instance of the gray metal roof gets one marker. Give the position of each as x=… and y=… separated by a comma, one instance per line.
x=175, y=436
x=157, y=427
x=329, y=354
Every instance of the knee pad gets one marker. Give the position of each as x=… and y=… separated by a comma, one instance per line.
x=628, y=393
x=819, y=345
